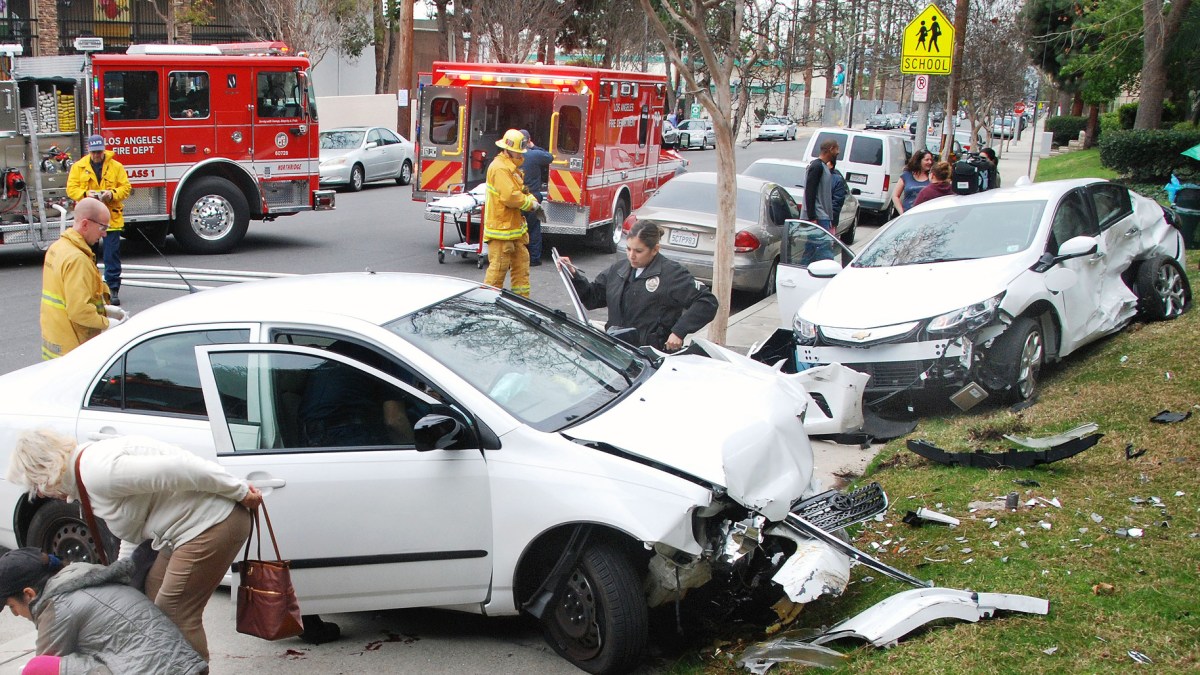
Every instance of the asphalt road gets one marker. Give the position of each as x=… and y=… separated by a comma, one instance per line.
x=381, y=229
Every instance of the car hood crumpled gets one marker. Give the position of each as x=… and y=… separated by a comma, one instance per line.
x=719, y=422
x=866, y=297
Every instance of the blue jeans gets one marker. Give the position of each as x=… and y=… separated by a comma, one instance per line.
x=535, y=232
x=112, y=260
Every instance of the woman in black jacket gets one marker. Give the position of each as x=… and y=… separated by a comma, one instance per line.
x=655, y=296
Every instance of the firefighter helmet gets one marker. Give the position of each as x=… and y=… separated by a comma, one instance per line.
x=513, y=141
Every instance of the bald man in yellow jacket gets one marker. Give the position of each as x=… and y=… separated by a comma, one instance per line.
x=504, y=227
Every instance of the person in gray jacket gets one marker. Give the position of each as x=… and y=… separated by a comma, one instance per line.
x=90, y=620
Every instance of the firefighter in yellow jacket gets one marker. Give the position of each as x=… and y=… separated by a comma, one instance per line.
x=101, y=176
x=73, y=295
x=504, y=227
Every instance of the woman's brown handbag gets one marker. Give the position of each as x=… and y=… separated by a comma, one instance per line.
x=266, y=601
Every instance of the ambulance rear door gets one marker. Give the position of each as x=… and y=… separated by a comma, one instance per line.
x=442, y=141
x=568, y=143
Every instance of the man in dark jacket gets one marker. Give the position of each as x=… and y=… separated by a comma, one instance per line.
x=537, y=174
x=818, y=186
x=837, y=190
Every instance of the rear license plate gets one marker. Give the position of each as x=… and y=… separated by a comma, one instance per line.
x=860, y=178
x=681, y=238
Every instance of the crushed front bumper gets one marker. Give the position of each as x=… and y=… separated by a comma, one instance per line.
x=899, y=366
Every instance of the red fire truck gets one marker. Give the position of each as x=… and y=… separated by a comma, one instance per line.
x=212, y=137
x=603, y=127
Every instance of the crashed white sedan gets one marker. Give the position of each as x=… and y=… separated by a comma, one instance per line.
x=430, y=442
x=978, y=292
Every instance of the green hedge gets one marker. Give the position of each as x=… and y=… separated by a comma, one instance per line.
x=1066, y=128
x=1128, y=113
x=1148, y=156
x=1110, y=122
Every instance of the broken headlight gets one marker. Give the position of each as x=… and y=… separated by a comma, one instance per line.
x=806, y=331
x=969, y=318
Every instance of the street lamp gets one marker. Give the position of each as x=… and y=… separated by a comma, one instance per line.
x=853, y=74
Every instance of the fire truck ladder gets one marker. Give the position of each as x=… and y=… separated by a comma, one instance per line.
x=40, y=239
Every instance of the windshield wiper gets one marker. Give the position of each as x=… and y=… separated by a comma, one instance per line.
x=538, y=322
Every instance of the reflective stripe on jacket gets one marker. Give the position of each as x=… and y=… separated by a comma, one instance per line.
x=507, y=199
x=73, y=296
x=82, y=178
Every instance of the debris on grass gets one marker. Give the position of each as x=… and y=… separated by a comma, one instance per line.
x=1008, y=458
x=789, y=647
x=1027, y=482
x=923, y=515
x=1130, y=453
x=1050, y=651
x=1139, y=657
x=1103, y=589
x=1169, y=417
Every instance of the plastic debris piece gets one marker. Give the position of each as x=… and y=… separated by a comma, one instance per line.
x=1179, y=493
x=1044, y=442
x=1169, y=417
x=789, y=647
x=1103, y=589
x=923, y=515
x=1027, y=482
x=1011, y=500
x=1044, y=525
x=1135, y=532
x=1139, y=657
x=1097, y=518
x=1130, y=453
x=1050, y=651
x=965, y=550
x=1024, y=544
x=968, y=561
x=1007, y=458
x=1022, y=405
x=1124, y=358
x=996, y=544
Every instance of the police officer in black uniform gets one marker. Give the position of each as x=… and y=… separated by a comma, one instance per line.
x=649, y=293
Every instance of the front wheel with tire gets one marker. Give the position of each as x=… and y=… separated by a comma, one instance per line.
x=1162, y=289
x=58, y=528
x=607, y=236
x=405, y=176
x=357, y=178
x=212, y=217
x=599, y=621
x=851, y=232
x=768, y=287
x=1017, y=357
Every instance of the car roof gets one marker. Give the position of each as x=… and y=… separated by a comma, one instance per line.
x=373, y=297
x=710, y=178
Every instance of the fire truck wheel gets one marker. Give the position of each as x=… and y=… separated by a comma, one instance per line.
x=606, y=237
x=405, y=176
x=213, y=217
x=357, y=178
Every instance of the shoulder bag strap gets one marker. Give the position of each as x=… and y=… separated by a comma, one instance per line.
x=267, y=517
x=88, y=514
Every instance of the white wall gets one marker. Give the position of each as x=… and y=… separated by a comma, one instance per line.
x=336, y=75
x=375, y=110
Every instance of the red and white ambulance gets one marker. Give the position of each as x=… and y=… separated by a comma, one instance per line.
x=603, y=128
x=211, y=136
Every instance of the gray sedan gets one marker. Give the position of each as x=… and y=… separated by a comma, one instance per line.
x=697, y=133
x=790, y=173
x=686, y=209
x=353, y=156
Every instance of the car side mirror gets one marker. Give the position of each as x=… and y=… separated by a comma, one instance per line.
x=442, y=428
x=372, y=144
x=1076, y=247
x=824, y=269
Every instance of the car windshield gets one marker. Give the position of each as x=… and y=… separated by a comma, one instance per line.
x=702, y=197
x=964, y=232
x=774, y=120
x=341, y=140
x=787, y=175
x=545, y=370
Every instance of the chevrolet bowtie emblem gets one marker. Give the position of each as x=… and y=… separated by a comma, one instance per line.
x=861, y=335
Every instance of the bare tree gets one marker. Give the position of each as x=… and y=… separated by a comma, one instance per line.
x=180, y=16
x=717, y=31
x=313, y=26
x=516, y=29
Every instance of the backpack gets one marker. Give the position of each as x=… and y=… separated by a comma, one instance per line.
x=970, y=175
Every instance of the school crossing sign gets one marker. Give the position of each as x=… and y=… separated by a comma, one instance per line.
x=928, y=47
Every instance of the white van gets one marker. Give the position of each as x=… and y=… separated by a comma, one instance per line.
x=871, y=161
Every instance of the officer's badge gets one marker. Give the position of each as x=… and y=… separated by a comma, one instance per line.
x=652, y=285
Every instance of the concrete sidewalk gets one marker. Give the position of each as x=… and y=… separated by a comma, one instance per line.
x=757, y=322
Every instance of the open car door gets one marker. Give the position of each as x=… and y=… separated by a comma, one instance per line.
x=804, y=243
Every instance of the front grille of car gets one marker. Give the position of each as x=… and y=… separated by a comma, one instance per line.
x=843, y=337
x=891, y=375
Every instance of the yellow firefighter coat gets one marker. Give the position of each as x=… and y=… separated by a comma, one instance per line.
x=82, y=179
x=73, y=296
x=507, y=198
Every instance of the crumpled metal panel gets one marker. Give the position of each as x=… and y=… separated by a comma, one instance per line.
x=891, y=619
x=1043, y=442
x=814, y=570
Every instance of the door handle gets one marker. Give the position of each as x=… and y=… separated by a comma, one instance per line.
x=1097, y=258
x=100, y=436
x=1132, y=231
x=787, y=283
x=268, y=483
x=187, y=149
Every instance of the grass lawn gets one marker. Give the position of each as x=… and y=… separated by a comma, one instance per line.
x=1109, y=594
x=1077, y=164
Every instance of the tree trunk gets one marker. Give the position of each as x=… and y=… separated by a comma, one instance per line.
x=1160, y=33
x=404, y=67
x=1093, y=126
x=382, y=36
x=806, y=109
x=1077, y=105
x=961, y=7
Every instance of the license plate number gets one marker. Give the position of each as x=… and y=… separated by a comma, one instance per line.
x=860, y=178
x=681, y=238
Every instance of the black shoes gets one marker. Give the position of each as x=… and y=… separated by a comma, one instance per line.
x=535, y=263
x=115, y=301
x=317, y=631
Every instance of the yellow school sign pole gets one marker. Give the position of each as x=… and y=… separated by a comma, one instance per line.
x=927, y=49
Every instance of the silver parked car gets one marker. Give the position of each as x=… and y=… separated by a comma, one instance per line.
x=686, y=208
x=773, y=128
x=353, y=156
x=790, y=174
x=697, y=133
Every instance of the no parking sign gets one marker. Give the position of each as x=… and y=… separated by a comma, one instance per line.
x=921, y=89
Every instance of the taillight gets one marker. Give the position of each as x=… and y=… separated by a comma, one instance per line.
x=886, y=180
x=628, y=224
x=744, y=242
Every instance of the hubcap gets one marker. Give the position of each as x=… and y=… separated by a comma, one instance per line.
x=1031, y=363
x=576, y=616
x=406, y=173
x=1169, y=287
x=72, y=542
x=212, y=217
x=356, y=177
x=618, y=223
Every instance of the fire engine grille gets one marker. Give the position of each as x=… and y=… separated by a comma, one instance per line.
x=147, y=201
x=565, y=218
x=286, y=193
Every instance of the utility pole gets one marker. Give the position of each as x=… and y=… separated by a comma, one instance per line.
x=404, y=79
x=961, y=7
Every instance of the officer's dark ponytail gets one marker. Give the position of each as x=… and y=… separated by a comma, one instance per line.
x=647, y=232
